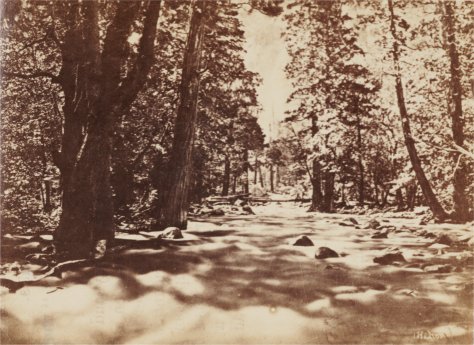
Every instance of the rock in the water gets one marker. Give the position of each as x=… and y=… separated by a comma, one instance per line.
x=372, y=224
x=171, y=233
x=380, y=234
x=352, y=220
x=445, y=239
x=389, y=259
x=248, y=209
x=303, y=241
x=217, y=212
x=325, y=252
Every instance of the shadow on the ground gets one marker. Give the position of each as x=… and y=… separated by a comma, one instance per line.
x=231, y=270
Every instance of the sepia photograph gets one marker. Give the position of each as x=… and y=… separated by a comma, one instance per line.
x=237, y=172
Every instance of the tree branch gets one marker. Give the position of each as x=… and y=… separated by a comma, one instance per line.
x=139, y=72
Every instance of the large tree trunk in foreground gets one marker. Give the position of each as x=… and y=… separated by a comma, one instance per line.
x=174, y=210
x=87, y=215
x=460, y=183
x=428, y=193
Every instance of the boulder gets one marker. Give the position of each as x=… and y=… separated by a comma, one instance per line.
x=372, y=224
x=171, y=233
x=325, y=252
x=217, y=212
x=389, y=259
x=303, y=241
x=380, y=234
x=248, y=209
x=444, y=239
x=353, y=220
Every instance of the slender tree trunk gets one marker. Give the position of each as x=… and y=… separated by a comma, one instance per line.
x=360, y=164
x=461, y=205
x=343, y=195
x=411, y=196
x=234, y=184
x=256, y=170
x=247, y=173
x=226, y=177
x=261, y=176
x=428, y=193
x=376, y=194
x=175, y=205
x=272, y=186
x=400, y=200
x=277, y=176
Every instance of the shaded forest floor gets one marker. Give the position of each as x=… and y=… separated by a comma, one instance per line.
x=238, y=279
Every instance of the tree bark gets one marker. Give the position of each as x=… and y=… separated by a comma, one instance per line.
x=272, y=185
x=226, y=177
x=328, y=202
x=175, y=203
x=360, y=164
x=256, y=170
x=400, y=200
x=246, y=162
x=88, y=214
x=234, y=184
x=317, y=195
x=428, y=193
x=261, y=176
x=461, y=205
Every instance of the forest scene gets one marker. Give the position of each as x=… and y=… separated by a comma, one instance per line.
x=237, y=171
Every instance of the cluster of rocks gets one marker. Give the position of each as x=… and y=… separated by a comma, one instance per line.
x=321, y=252
x=238, y=207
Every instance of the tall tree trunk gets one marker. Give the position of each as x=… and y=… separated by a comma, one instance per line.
x=328, y=202
x=226, y=177
x=256, y=170
x=360, y=164
x=234, y=184
x=277, y=176
x=317, y=194
x=460, y=183
x=376, y=194
x=400, y=200
x=428, y=193
x=87, y=215
x=411, y=196
x=272, y=186
x=175, y=203
x=246, y=162
x=261, y=176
